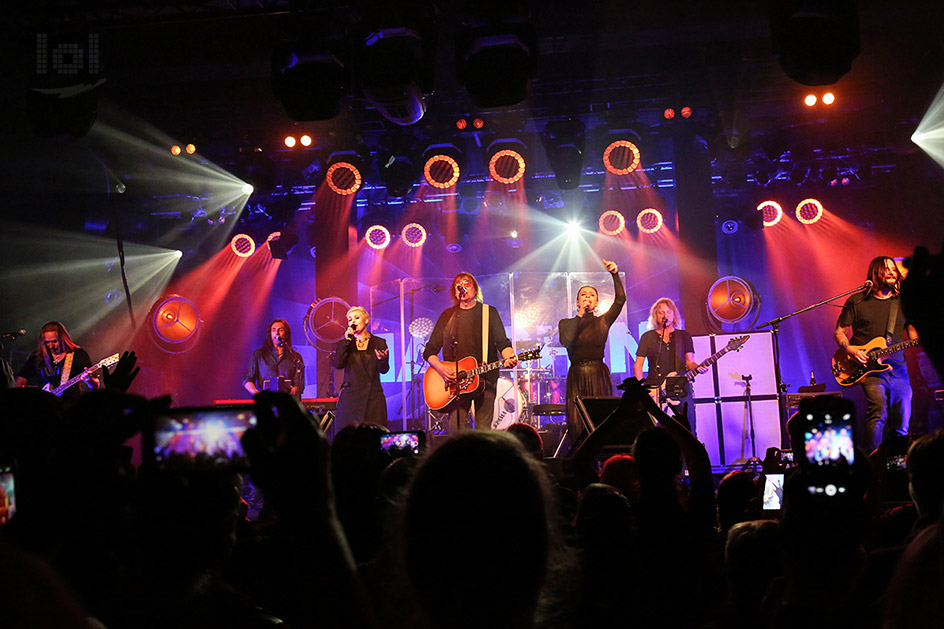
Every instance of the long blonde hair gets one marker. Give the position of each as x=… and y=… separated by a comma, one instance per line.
x=676, y=318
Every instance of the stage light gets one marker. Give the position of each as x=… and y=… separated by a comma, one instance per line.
x=281, y=245
x=730, y=226
x=178, y=254
x=413, y=234
x=242, y=245
x=377, y=237
x=771, y=211
x=513, y=233
x=191, y=149
x=564, y=141
x=290, y=141
x=506, y=163
x=343, y=178
x=829, y=98
x=810, y=100
x=305, y=140
x=478, y=123
x=421, y=328
x=731, y=299
x=815, y=40
x=686, y=112
x=808, y=211
x=397, y=172
x=461, y=124
x=442, y=165
x=649, y=221
x=668, y=113
x=573, y=229
x=247, y=189
x=175, y=150
x=526, y=317
x=621, y=157
x=612, y=223
x=174, y=324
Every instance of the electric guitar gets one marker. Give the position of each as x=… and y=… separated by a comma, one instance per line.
x=439, y=394
x=660, y=394
x=107, y=362
x=848, y=371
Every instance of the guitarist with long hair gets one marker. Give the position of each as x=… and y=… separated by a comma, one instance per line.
x=458, y=334
x=56, y=359
x=876, y=315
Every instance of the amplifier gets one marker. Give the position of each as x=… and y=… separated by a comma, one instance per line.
x=794, y=399
x=319, y=405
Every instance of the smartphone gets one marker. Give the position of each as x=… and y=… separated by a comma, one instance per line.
x=896, y=462
x=827, y=433
x=773, y=492
x=212, y=431
x=7, y=491
x=786, y=457
x=407, y=443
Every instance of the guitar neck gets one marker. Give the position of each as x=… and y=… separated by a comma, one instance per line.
x=891, y=349
x=486, y=367
x=708, y=362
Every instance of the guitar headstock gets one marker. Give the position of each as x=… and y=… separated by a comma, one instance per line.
x=737, y=343
x=531, y=354
x=111, y=360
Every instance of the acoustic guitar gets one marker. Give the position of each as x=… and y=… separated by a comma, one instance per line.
x=848, y=371
x=106, y=362
x=439, y=394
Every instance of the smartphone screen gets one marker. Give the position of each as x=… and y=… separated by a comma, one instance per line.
x=7, y=492
x=828, y=439
x=407, y=443
x=773, y=492
x=215, y=432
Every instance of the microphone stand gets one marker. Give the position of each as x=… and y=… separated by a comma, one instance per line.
x=775, y=329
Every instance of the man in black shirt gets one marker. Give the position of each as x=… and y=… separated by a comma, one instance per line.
x=458, y=333
x=670, y=350
x=57, y=359
x=276, y=366
x=878, y=314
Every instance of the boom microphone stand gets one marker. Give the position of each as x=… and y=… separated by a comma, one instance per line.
x=775, y=329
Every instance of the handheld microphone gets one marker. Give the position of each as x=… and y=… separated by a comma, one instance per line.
x=14, y=335
x=586, y=309
x=354, y=327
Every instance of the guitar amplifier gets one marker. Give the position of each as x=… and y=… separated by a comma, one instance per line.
x=794, y=399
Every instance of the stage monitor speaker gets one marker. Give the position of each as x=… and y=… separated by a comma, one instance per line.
x=592, y=411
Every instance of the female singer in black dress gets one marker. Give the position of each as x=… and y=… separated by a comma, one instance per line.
x=363, y=357
x=585, y=336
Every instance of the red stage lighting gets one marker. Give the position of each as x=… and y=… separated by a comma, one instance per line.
x=612, y=223
x=773, y=212
x=478, y=123
x=506, y=166
x=174, y=324
x=461, y=124
x=191, y=149
x=686, y=112
x=343, y=178
x=731, y=299
x=810, y=100
x=289, y=141
x=377, y=237
x=175, y=150
x=414, y=234
x=669, y=113
x=829, y=98
x=242, y=245
x=649, y=221
x=305, y=140
x=441, y=171
x=808, y=211
x=621, y=157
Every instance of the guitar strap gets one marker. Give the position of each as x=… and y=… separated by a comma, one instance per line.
x=66, y=368
x=892, y=319
x=484, y=333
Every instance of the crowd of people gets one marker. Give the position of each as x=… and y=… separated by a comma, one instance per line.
x=477, y=532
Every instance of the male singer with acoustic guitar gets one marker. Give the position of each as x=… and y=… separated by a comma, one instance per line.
x=878, y=315
x=459, y=333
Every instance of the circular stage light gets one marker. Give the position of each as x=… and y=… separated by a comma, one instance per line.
x=772, y=211
x=731, y=299
x=289, y=141
x=621, y=157
x=377, y=237
x=242, y=245
x=343, y=178
x=174, y=324
x=506, y=166
x=649, y=221
x=421, y=328
x=414, y=234
x=612, y=223
x=441, y=171
x=326, y=321
x=808, y=211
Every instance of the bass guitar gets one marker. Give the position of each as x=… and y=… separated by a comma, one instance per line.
x=106, y=362
x=848, y=371
x=662, y=396
x=439, y=394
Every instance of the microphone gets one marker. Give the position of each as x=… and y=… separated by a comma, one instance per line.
x=354, y=327
x=462, y=290
x=14, y=335
x=586, y=309
x=281, y=342
x=867, y=285
x=665, y=322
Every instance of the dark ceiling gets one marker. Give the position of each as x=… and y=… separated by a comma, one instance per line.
x=200, y=71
